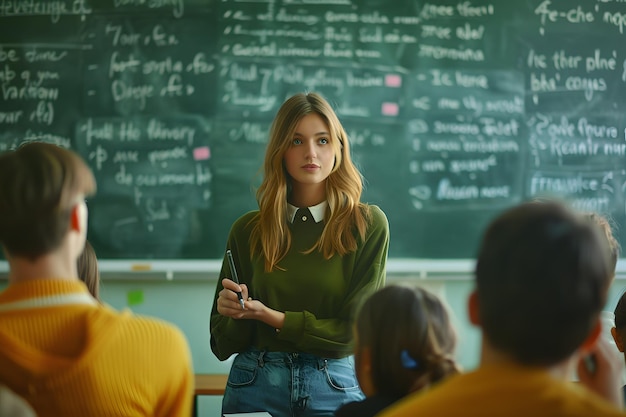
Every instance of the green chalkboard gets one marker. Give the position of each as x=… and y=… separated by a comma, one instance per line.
x=456, y=109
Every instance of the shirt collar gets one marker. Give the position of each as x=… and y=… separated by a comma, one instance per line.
x=317, y=211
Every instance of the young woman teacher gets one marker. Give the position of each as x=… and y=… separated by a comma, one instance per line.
x=305, y=259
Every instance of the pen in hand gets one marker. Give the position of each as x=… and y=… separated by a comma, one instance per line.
x=233, y=272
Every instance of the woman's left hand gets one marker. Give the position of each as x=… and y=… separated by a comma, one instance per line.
x=256, y=310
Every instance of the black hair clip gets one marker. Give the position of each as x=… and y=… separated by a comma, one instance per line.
x=407, y=361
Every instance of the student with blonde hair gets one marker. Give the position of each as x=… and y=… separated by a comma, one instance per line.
x=404, y=343
x=304, y=259
x=60, y=350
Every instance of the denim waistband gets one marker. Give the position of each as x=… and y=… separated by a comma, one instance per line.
x=262, y=356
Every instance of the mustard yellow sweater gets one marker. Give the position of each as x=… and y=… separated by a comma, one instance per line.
x=503, y=391
x=70, y=357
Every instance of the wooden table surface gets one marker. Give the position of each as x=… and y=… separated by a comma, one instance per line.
x=210, y=384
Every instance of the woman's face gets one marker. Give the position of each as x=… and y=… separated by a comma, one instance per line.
x=310, y=158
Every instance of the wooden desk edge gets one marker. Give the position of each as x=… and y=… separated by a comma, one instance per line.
x=210, y=384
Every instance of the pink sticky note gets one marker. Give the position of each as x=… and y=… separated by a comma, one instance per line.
x=393, y=80
x=201, y=153
x=390, y=109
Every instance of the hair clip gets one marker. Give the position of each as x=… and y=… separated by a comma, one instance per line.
x=407, y=361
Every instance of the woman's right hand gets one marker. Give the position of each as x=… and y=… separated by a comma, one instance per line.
x=227, y=302
x=228, y=305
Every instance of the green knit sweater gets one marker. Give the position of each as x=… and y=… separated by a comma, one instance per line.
x=318, y=296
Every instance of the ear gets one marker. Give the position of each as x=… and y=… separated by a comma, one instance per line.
x=76, y=216
x=592, y=337
x=473, y=308
x=618, y=339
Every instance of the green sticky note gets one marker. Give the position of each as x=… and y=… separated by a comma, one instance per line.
x=134, y=298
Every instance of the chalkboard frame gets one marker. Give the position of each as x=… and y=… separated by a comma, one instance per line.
x=173, y=269
x=177, y=270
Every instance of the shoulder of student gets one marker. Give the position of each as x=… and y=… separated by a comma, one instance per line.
x=149, y=329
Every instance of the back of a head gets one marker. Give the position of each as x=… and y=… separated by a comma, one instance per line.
x=542, y=278
x=39, y=183
x=410, y=337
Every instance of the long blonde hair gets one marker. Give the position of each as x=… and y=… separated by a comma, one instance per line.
x=345, y=213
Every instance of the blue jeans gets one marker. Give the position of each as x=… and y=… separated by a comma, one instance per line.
x=289, y=384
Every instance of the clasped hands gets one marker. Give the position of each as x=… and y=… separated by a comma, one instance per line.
x=228, y=304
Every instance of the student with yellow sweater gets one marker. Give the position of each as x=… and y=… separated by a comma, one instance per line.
x=305, y=259
x=542, y=278
x=62, y=351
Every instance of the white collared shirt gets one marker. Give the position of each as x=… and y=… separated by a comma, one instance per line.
x=318, y=211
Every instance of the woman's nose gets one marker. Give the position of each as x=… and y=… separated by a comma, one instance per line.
x=310, y=149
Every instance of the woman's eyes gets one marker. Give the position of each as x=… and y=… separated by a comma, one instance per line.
x=322, y=141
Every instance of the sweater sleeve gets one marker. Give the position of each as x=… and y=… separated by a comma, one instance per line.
x=311, y=334
x=227, y=335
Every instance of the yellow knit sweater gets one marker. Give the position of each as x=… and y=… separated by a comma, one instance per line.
x=68, y=356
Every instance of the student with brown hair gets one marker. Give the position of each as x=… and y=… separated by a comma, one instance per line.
x=542, y=278
x=304, y=259
x=62, y=351
x=404, y=342
x=88, y=271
